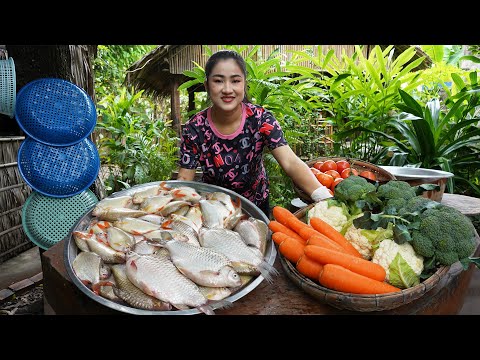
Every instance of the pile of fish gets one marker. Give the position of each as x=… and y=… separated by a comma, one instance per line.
x=167, y=248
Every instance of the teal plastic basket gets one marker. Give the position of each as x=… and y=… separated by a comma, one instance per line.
x=8, y=87
x=47, y=220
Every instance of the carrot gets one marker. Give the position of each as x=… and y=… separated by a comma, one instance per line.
x=297, y=225
x=332, y=233
x=275, y=226
x=282, y=214
x=338, y=278
x=353, y=263
x=309, y=267
x=291, y=248
x=307, y=232
x=278, y=237
x=323, y=241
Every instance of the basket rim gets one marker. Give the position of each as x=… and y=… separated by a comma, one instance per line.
x=41, y=139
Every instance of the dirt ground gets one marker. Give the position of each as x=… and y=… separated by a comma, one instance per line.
x=28, y=303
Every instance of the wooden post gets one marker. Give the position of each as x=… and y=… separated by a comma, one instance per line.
x=175, y=107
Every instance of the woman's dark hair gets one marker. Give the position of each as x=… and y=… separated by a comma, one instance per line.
x=225, y=55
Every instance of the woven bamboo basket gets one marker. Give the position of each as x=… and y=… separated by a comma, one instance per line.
x=359, y=165
x=358, y=302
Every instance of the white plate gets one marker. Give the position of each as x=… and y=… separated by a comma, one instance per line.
x=410, y=173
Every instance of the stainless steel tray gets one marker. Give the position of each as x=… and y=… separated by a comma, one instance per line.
x=71, y=250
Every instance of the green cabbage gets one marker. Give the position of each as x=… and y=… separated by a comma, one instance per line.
x=401, y=274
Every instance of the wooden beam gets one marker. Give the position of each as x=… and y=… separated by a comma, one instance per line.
x=175, y=106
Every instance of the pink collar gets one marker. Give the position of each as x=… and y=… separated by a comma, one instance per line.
x=223, y=136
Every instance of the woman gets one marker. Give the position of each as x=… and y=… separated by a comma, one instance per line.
x=228, y=138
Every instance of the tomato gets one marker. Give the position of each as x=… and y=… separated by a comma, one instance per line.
x=348, y=171
x=318, y=165
x=333, y=173
x=314, y=170
x=335, y=182
x=342, y=165
x=328, y=165
x=325, y=179
x=369, y=175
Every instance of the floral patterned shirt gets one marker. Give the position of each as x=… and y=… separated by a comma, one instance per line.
x=232, y=161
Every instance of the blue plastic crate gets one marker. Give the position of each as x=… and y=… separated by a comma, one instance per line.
x=58, y=171
x=55, y=112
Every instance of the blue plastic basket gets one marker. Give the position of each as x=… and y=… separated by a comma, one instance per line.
x=55, y=112
x=58, y=171
x=48, y=220
x=8, y=87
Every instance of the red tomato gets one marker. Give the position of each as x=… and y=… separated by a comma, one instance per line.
x=369, y=175
x=333, y=173
x=328, y=165
x=347, y=172
x=325, y=179
x=342, y=165
x=318, y=165
x=335, y=182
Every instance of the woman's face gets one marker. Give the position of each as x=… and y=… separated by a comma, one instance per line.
x=226, y=85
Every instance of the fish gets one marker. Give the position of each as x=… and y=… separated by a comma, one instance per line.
x=194, y=213
x=184, y=226
x=157, y=276
x=215, y=293
x=140, y=195
x=153, y=218
x=230, y=243
x=155, y=204
x=113, y=202
x=135, y=226
x=173, y=206
x=165, y=234
x=113, y=214
x=225, y=199
x=80, y=239
x=214, y=213
x=108, y=255
x=86, y=266
x=254, y=233
x=119, y=239
x=202, y=265
x=132, y=295
x=186, y=193
x=145, y=247
x=98, y=226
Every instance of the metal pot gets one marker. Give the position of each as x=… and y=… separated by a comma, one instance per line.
x=71, y=250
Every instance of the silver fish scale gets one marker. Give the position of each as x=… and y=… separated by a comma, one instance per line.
x=185, y=229
x=86, y=266
x=229, y=243
x=131, y=294
x=196, y=258
x=214, y=213
x=157, y=276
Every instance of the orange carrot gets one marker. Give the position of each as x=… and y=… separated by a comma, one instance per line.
x=332, y=233
x=321, y=240
x=297, y=225
x=306, y=232
x=338, y=278
x=309, y=267
x=353, y=263
x=275, y=226
x=279, y=237
x=291, y=248
x=282, y=214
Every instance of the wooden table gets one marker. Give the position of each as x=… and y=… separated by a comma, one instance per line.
x=282, y=297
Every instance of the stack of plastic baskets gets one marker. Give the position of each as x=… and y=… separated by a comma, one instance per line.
x=8, y=87
x=57, y=159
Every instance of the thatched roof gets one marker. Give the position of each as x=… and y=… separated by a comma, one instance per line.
x=152, y=72
x=158, y=71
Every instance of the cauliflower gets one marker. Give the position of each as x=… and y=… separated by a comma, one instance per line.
x=366, y=241
x=330, y=211
x=402, y=265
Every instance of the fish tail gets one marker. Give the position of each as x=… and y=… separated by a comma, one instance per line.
x=206, y=309
x=267, y=271
x=222, y=304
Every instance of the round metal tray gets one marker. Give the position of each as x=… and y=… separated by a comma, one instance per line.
x=71, y=250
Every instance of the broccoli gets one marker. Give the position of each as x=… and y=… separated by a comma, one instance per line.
x=416, y=205
x=352, y=191
x=444, y=234
x=395, y=193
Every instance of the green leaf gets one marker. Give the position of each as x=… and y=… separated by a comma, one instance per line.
x=401, y=274
x=401, y=234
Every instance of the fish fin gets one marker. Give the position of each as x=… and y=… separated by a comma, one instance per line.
x=163, y=185
x=222, y=304
x=181, y=306
x=166, y=224
x=267, y=271
x=206, y=309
